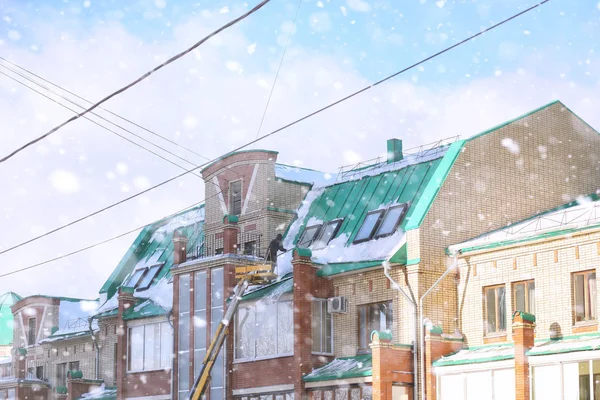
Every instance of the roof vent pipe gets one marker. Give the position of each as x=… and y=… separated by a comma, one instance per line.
x=394, y=150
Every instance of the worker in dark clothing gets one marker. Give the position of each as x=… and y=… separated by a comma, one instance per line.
x=275, y=246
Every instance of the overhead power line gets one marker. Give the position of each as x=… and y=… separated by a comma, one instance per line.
x=135, y=82
x=366, y=88
x=102, y=108
x=94, y=245
x=99, y=116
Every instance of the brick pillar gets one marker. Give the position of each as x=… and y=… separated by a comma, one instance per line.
x=126, y=304
x=180, y=242
x=20, y=364
x=230, y=234
x=391, y=364
x=435, y=347
x=523, y=337
x=304, y=281
x=229, y=283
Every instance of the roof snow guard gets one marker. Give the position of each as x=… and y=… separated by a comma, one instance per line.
x=343, y=368
x=578, y=215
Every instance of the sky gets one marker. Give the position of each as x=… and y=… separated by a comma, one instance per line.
x=212, y=101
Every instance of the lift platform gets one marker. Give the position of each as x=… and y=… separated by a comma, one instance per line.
x=246, y=275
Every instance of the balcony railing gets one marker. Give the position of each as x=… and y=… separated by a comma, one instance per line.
x=248, y=243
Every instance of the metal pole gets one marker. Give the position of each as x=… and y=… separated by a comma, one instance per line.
x=421, y=331
x=386, y=268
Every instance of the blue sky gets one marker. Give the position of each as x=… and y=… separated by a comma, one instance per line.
x=213, y=99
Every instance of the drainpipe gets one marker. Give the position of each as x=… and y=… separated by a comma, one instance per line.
x=97, y=358
x=386, y=271
x=174, y=338
x=421, y=330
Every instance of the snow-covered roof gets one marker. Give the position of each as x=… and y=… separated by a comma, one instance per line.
x=580, y=214
x=303, y=175
x=75, y=328
x=343, y=368
x=478, y=354
x=566, y=345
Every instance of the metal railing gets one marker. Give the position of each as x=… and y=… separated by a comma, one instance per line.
x=248, y=243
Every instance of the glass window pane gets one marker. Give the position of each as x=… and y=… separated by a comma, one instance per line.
x=135, y=278
x=198, y=361
x=326, y=235
x=166, y=345
x=592, y=295
x=520, y=297
x=245, y=333
x=136, y=348
x=216, y=294
x=490, y=307
x=367, y=392
x=217, y=373
x=266, y=322
x=216, y=317
x=147, y=280
x=479, y=385
x=362, y=327
x=327, y=346
x=501, y=309
x=183, y=364
x=366, y=229
x=216, y=394
x=531, y=297
x=390, y=221
x=341, y=394
x=453, y=385
x=285, y=327
x=504, y=384
x=579, y=298
x=152, y=334
x=184, y=332
x=308, y=236
x=184, y=293
x=316, y=327
x=546, y=383
x=200, y=290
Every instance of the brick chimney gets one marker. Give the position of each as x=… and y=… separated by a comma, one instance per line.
x=230, y=234
x=180, y=242
x=126, y=303
x=523, y=336
x=394, y=150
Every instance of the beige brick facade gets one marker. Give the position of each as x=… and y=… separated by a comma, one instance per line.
x=553, y=279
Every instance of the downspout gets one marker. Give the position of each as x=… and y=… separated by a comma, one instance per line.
x=97, y=348
x=172, y=372
x=421, y=330
x=386, y=271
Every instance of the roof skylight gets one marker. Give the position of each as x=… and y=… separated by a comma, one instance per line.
x=392, y=219
x=308, y=236
x=327, y=233
x=367, y=229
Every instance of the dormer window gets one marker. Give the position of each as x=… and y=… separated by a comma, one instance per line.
x=392, y=219
x=143, y=278
x=327, y=233
x=308, y=236
x=368, y=227
x=380, y=223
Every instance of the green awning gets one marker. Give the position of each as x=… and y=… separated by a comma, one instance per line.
x=343, y=368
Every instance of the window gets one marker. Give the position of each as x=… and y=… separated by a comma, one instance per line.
x=495, y=309
x=250, y=248
x=327, y=233
x=31, y=333
x=61, y=374
x=584, y=289
x=392, y=219
x=149, y=277
x=264, y=330
x=217, y=376
x=149, y=347
x=368, y=227
x=321, y=328
x=373, y=317
x=74, y=366
x=524, y=295
x=136, y=277
x=307, y=237
x=199, y=320
x=235, y=198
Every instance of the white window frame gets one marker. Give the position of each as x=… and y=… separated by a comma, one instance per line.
x=324, y=307
x=163, y=325
x=276, y=355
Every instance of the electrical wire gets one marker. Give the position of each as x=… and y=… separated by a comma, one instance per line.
x=287, y=42
x=277, y=130
x=102, y=108
x=138, y=80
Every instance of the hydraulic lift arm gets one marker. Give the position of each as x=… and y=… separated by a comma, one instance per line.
x=203, y=379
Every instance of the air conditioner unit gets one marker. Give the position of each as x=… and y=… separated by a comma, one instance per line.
x=337, y=305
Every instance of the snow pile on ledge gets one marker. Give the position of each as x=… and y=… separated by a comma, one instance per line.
x=303, y=175
x=100, y=392
x=179, y=221
x=566, y=345
x=160, y=293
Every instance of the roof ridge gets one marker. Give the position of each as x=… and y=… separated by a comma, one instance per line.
x=510, y=121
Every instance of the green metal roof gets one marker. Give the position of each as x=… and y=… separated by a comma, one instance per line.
x=343, y=368
x=285, y=285
x=6, y=317
x=340, y=268
x=566, y=344
x=145, y=309
x=150, y=240
x=478, y=354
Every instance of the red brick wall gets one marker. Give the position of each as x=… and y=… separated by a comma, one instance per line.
x=390, y=364
x=77, y=387
x=523, y=337
x=36, y=392
x=240, y=157
x=435, y=348
x=152, y=383
x=275, y=371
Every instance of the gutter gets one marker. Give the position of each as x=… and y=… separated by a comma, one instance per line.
x=172, y=358
x=421, y=330
x=97, y=352
x=386, y=268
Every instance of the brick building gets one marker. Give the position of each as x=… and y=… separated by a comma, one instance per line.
x=544, y=266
